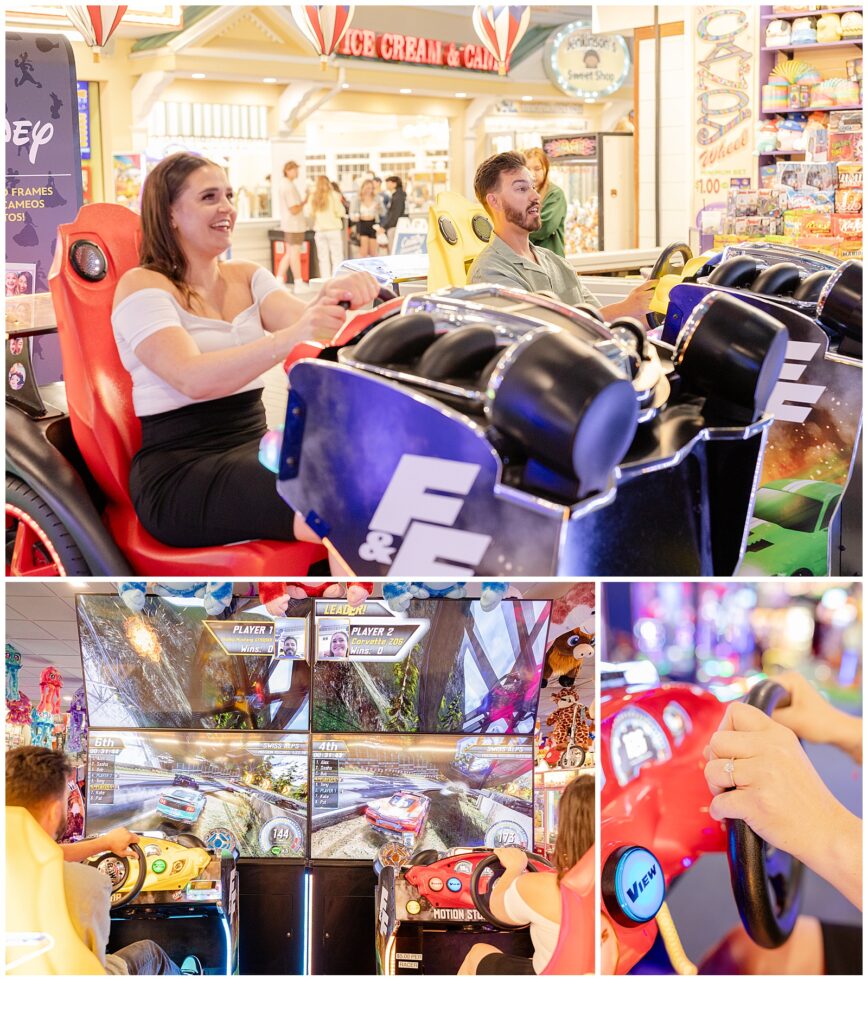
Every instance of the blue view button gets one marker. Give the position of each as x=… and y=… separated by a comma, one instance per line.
x=633, y=885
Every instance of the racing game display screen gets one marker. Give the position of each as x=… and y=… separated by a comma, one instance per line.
x=425, y=792
x=173, y=666
x=244, y=793
x=455, y=668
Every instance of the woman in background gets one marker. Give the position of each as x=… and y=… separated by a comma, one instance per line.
x=553, y=211
x=324, y=207
x=367, y=210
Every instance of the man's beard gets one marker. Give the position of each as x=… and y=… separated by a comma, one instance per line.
x=523, y=219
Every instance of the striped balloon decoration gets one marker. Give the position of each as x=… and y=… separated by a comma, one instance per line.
x=96, y=24
x=323, y=25
x=499, y=30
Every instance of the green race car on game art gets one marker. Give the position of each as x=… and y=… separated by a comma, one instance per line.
x=789, y=534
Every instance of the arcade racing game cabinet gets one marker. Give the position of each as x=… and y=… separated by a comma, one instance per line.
x=400, y=782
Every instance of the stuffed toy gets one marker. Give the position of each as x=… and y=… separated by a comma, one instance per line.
x=41, y=728
x=76, y=740
x=216, y=596
x=851, y=25
x=804, y=32
x=50, y=685
x=767, y=136
x=568, y=722
x=13, y=667
x=399, y=595
x=828, y=28
x=566, y=656
x=276, y=596
x=18, y=711
x=778, y=33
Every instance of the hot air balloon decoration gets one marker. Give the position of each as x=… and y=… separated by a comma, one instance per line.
x=500, y=29
x=97, y=24
x=323, y=25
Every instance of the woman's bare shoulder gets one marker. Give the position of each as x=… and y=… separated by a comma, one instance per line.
x=139, y=278
x=239, y=270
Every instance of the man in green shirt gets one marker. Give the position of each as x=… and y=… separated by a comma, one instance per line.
x=504, y=186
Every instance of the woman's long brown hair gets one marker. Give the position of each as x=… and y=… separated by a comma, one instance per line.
x=540, y=154
x=160, y=250
x=575, y=824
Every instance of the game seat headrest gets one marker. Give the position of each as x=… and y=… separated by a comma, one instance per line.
x=40, y=936
x=92, y=254
x=458, y=231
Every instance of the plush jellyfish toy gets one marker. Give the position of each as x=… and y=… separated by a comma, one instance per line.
x=13, y=668
x=76, y=739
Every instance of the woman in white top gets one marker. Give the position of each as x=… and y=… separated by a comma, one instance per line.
x=195, y=334
x=327, y=212
x=366, y=211
x=534, y=898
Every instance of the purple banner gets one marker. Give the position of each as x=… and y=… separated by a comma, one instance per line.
x=43, y=168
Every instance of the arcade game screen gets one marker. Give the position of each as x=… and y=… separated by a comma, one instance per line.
x=426, y=792
x=173, y=666
x=453, y=668
x=247, y=793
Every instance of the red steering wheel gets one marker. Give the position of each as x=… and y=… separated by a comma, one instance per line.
x=495, y=869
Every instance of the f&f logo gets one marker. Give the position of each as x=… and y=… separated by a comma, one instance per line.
x=791, y=400
x=421, y=504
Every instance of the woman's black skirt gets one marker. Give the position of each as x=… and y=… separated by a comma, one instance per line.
x=197, y=480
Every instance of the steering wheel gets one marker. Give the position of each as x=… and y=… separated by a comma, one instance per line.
x=480, y=900
x=119, y=881
x=664, y=260
x=384, y=295
x=661, y=268
x=766, y=882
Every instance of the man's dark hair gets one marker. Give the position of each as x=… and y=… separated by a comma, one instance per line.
x=489, y=171
x=34, y=774
x=394, y=178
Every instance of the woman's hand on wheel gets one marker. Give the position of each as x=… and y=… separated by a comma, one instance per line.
x=512, y=858
x=357, y=289
x=812, y=717
x=319, y=321
x=778, y=793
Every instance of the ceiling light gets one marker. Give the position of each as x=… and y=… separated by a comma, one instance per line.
x=527, y=99
x=461, y=95
x=405, y=92
x=198, y=74
x=76, y=584
x=269, y=81
x=345, y=85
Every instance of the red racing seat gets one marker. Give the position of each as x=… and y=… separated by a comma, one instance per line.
x=105, y=427
x=574, y=953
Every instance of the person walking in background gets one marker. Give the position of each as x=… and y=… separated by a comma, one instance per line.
x=326, y=211
x=396, y=208
x=553, y=213
x=292, y=224
x=367, y=209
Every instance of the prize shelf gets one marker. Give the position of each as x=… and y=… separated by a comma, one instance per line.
x=810, y=46
x=808, y=14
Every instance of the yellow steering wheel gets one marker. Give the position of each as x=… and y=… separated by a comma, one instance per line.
x=667, y=275
x=160, y=865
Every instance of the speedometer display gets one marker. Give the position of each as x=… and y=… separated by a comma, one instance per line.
x=636, y=740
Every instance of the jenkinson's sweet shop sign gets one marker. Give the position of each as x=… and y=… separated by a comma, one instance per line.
x=393, y=47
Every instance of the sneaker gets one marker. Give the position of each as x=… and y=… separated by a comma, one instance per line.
x=192, y=965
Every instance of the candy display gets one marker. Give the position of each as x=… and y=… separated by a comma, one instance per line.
x=850, y=175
